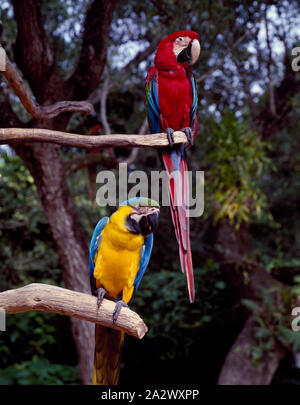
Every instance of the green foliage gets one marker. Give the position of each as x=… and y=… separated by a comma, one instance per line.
x=26, y=335
x=162, y=301
x=27, y=253
x=235, y=158
x=273, y=321
x=39, y=372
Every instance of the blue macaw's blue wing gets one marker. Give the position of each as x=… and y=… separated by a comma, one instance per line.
x=94, y=245
x=195, y=99
x=144, y=260
x=151, y=101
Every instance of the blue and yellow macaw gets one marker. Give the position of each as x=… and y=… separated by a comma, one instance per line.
x=120, y=251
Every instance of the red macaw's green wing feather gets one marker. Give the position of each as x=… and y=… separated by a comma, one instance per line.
x=151, y=101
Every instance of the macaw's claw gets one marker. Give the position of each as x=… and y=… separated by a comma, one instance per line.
x=117, y=310
x=189, y=134
x=170, y=135
x=100, y=295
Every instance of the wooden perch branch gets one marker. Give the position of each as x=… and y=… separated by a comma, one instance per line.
x=41, y=112
x=22, y=135
x=48, y=298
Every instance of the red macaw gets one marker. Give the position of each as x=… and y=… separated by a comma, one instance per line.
x=171, y=103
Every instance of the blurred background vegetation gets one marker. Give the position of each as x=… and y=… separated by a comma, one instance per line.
x=251, y=157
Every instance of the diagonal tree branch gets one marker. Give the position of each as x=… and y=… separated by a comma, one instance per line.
x=41, y=112
x=272, y=102
x=231, y=49
x=49, y=298
x=140, y=57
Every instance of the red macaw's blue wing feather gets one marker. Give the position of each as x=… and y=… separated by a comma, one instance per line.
x=151, y=101
x=94, y=245
x=194, y=120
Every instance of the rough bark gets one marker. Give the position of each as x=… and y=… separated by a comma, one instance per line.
x=247, y=280
x=49, y=298
x=26, y=135
x=238, y=368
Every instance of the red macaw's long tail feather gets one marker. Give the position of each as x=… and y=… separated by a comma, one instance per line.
x=108, y=348
x=176, y=167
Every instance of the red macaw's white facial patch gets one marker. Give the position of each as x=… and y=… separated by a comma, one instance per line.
x=181, y=43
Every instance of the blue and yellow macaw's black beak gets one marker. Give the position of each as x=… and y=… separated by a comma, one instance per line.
x=143, y=220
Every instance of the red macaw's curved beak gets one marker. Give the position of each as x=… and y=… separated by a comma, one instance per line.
x=191, y=53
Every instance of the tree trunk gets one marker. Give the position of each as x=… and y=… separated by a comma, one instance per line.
x=247, y=280
x=46, y=167
x=238, y=368
x=35, y=56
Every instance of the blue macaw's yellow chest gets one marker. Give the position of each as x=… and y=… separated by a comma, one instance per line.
x=118, y=257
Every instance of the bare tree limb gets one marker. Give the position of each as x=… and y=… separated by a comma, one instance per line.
x=103, y=110
x=235, y=45
x=23, y=135
x=41, y=112
x=269, y=64
x=49, y=298
x=139, y=57
x=104, y=94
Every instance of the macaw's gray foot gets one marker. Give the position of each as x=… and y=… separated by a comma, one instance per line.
x=117, y=310
x=100, y=295
x=189, y=134
x=170, y=135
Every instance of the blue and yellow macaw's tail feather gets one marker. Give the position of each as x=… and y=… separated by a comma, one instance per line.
x=108, y=348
